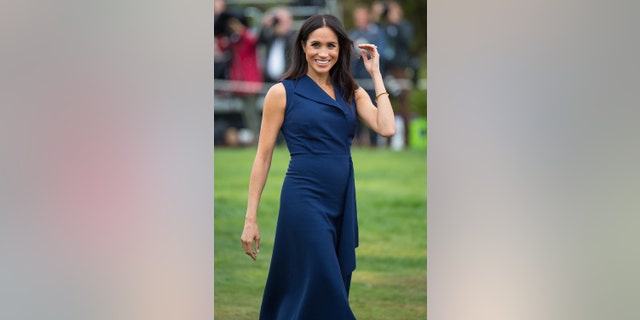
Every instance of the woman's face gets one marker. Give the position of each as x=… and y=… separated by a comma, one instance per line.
x=321, y=50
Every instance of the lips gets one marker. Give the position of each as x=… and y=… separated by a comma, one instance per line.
x=322, y=62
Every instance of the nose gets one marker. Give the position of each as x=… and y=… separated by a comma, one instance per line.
x=323, y=52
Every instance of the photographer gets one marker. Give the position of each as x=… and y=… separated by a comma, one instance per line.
x=221, y=58
x=277, y=37
x=232, y=35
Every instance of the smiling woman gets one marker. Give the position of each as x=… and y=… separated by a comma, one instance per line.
x=321, y=52
x=316, y=108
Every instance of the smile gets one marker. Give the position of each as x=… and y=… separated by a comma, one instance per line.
x=322, y=62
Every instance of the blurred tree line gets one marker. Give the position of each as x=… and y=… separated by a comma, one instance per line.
x=415, y=11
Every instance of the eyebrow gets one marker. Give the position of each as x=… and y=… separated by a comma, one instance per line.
x=318, y=41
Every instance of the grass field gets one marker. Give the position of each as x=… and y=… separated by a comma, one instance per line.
x=391, y=277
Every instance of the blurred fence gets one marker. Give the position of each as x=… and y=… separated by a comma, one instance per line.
x=228, y=107
x=225, y=101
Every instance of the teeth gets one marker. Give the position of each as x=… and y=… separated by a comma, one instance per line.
x=322, y=62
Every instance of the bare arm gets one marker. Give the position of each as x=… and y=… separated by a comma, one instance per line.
x=272, y=119
x=380, y=119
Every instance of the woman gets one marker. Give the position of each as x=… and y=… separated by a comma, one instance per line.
x=315, y=107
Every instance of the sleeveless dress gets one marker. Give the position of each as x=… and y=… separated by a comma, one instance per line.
x=317, y=230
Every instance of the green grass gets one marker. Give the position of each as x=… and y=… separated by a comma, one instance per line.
x=391, y=277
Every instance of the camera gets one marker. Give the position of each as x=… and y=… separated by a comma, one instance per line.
x=221, y=23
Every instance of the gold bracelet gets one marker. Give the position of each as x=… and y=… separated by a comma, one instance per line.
x=378, y=96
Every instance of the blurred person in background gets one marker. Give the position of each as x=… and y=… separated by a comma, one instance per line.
x=316, y=107
x=276, y=36
x=378, y=10
x=231, y=29
x=398, y=59
x=365, y=30
x=221, y=58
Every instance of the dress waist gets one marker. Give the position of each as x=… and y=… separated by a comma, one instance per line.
x=321, y=155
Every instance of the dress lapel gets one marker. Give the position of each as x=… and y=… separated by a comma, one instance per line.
x=308, y=89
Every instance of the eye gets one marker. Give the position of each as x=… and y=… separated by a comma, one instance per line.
x=315, y=44
x=332, y=45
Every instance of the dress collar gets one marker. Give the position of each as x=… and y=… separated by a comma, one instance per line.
x=309, y=89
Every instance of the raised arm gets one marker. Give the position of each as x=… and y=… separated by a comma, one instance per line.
x=381, y=118
x=272, y=118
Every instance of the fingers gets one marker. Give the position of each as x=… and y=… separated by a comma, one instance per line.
x=364, y=55
x=250, y=237
x=248, y=247
x=252, y=255
x=367, y=46
x=371, y=49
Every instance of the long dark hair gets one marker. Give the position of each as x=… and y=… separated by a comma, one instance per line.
x=340, y=75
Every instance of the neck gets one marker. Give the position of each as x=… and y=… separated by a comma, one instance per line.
x=320, y=79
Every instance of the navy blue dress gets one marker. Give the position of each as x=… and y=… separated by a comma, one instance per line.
x=317, y=229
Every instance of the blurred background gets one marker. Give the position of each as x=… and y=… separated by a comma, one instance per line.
x=252, y=40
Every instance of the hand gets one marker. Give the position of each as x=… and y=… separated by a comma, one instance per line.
x=267, y=20
x=236, y=26
x=251, y=237
x=370, y=57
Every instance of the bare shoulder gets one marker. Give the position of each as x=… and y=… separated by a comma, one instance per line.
x=360, y=92
x=277, y=91
x=276, y=97
x=362, y=96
